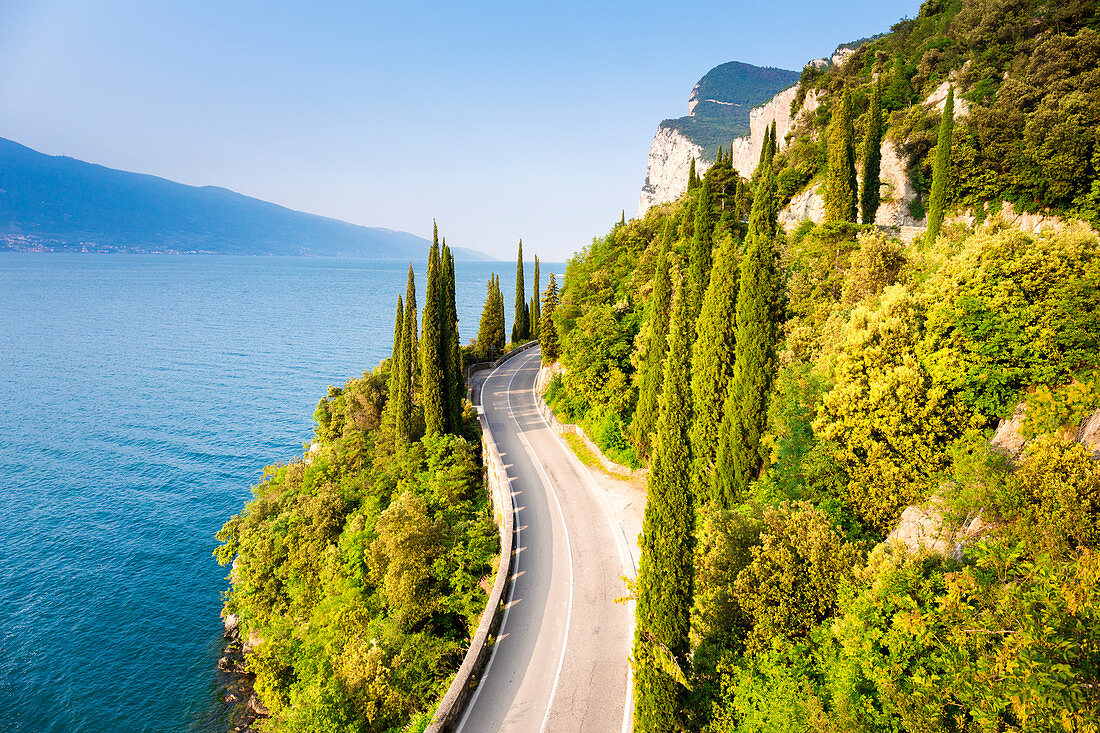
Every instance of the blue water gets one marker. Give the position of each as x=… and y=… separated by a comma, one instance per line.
x=140, y=397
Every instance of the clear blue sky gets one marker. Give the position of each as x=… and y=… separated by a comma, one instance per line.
x=501, y=120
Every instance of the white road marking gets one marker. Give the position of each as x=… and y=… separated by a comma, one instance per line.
x=624, y=553
x=511, y=587
x=568, y=547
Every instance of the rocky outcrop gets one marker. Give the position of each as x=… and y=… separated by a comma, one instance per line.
x=896, y=193
x=671, y=152
x=923, y=527
x=666, y=176
x=926, y=527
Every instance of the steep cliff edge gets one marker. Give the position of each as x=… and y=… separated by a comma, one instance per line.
x=723, y=106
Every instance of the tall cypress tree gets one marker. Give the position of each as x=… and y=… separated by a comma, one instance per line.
x=941, y=169
x=411, y=327
x=405, y=378
x=398, y=325
x=548, y=331
x=872, y=159
x=712, y=359
x=488, y=346
x=657, y=316
x=454, y=381
x=520, y=331
x=666, y=571
x=498, y=325
x=840, y=181
x=700, y=262
x=431, y=348
x=745, y=410
x=536, y=310
x=693, y=178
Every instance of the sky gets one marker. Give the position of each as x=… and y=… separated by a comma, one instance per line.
x=499, y=120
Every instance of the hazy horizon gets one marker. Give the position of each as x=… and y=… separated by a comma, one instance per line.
x=499, y=122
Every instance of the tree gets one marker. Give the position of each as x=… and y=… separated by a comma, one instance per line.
x=941, y=169
x=745, y=411
x=490, y=339
x=536, y=310
x=404, y=381
x=431, y=348
x=548, y=331
x=520, y=329
x=712, y=359
x=872, y=158
x=840, y=182
x=885, y=417
x=657, y=316
x=454, y=382
x=398, y=326
x=666, y=569
x=693, y=178
x=700, y=261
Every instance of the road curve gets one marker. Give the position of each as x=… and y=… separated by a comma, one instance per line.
x=561, y=661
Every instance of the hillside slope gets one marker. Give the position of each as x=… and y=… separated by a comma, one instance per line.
x=59, y=204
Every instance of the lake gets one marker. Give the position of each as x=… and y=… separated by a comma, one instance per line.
x=140, y=398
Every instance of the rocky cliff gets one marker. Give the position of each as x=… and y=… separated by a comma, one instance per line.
x=729, y=101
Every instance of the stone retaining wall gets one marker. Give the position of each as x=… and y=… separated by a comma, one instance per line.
x=559, y=427
x=466, y=680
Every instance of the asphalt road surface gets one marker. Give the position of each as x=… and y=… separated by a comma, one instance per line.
x=561, y=662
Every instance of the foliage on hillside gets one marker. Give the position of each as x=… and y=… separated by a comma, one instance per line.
x=893, y=365
x=359, y=570
x=1029, y=71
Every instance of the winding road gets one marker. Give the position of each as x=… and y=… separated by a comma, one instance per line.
x=561, y=659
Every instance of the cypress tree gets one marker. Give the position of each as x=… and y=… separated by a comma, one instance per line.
x=657, y=316
x=941, y=169
x=411, y=327
x=520, y=331
x=775, y=142
x=398, y=325
x=454, y=381
x=666, y=570
x=397, y=365
x=486, y=348
x=622, y=219
x=693, y=179
x=548, y=332
x=712, y=359
x=700, y=262
x=404, y=379
x=498, y=311
x=431, y=348
x=872, y=159
x=745, y=409
x=840, y=182
x=536, y=311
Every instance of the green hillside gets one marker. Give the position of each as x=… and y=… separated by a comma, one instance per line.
x=813, y=384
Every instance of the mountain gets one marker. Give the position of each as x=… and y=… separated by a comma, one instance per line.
x=719, y=110
x=59, y=204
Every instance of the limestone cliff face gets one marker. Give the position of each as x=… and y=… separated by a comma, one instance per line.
x=667, y=171
x=671, y=153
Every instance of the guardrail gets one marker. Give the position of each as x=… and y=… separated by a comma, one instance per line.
x=465, y=681
x=481, y=365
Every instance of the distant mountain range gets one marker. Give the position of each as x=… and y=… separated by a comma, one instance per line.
x=59, y=204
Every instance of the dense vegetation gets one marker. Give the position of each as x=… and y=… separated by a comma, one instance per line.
x=861, y=376
x=360, y=569
x=1027, y=70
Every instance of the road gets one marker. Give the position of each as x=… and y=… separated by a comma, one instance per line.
x=561, y=662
